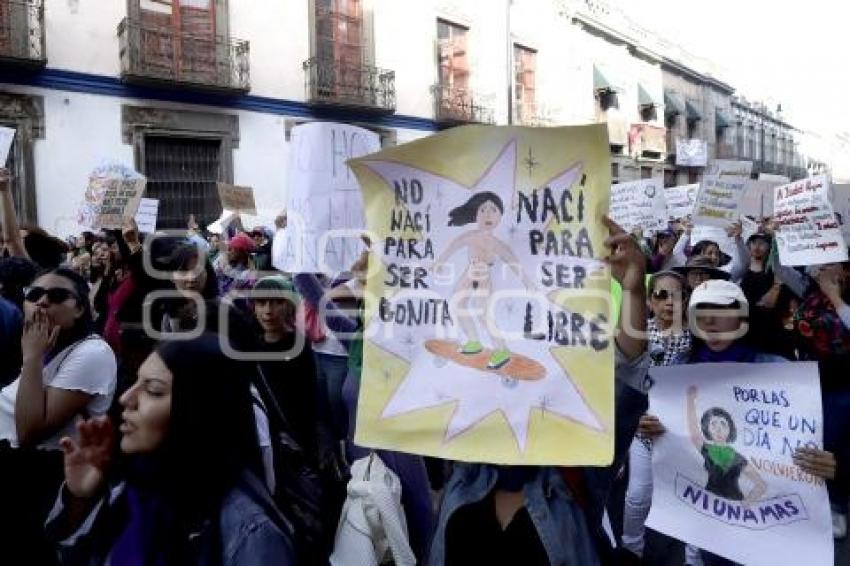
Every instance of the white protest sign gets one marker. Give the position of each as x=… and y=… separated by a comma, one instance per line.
x=724, y=472
x=7, y=136
x=776, y=179
x=729, y=167
x=808, y=233
x=841, y=202
x=758, y=199
x=748, y=227
x=639, y=204
x=714, y=234
x=222, y=222
x=113, y=194
x=147, y=214
x=323, y=196
x=691, y=153
x=718, y=200
x=680, y=200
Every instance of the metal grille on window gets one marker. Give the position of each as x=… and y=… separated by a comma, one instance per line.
x=182, y=173
x=15, y=167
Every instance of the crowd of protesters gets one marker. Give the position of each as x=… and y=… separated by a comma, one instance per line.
x=120, y=444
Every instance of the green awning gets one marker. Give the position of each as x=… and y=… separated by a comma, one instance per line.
x=692, y=111
x=672, y=103
x=602, y=80
x=721, y=118
x=645, y=98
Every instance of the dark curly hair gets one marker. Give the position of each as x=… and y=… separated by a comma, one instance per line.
x=466, y=213
x=718, y=412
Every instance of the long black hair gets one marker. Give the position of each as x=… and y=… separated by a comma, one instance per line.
x=84, y=325
x=723, y=414
x=466, y=213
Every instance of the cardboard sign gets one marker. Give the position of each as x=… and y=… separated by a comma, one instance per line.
x=680, y=200
x=113, y=195
x=147, y=214
x=639, y=204
x=691, y=153
x=457, y=216
x=237, y=199
x=724, y=471
x=324, y=204
x=7, y=136
x=809, y=233
x=729, y=167
x=718, y=200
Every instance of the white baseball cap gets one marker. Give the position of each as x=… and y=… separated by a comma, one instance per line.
x=717, y=292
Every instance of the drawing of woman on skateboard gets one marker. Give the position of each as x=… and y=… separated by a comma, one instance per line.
x=485, y=209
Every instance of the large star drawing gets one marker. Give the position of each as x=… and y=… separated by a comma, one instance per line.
x=478, y=394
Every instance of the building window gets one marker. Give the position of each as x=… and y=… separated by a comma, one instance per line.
x=646, y=172
x=340, y=33
x=525, y=83
x=693, y=129
x=693, y=176
x=25, y=114
x=182, y=173
x=452, y=60
x=669, y=178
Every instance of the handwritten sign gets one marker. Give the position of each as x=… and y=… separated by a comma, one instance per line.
x=639, y=204
x=718, y=200
x=237, y=199
x=324, y=204
x=113, y=194
x=724, y=472
x=809, y=233
x=147, y=214
x=7, y=136
x=729, y=167
x=841, y=202
x=691, y=153
x=680, y=200
x=527, y=378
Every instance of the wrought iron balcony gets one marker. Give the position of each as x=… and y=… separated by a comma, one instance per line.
x=460, y=106
x=334, y=82
x=22, y=33
x=157, y=54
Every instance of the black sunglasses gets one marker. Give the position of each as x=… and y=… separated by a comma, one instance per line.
x=664, y=294
x=55, y=295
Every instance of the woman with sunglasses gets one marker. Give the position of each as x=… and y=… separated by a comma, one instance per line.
x=186, y=488
x=67, y=372
x=667, y=337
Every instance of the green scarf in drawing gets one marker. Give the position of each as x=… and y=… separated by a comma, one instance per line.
x=721, y=455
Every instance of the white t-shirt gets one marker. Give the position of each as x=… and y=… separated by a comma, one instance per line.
x=88, y=366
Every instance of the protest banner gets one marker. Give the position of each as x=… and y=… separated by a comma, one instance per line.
x=718, y=200
x=487, y=335
x=680, y=200
x=147, y=214
x=237, y=199
x=723, y=475
x=324, y=204
x=113, y=194
x=639, y=204
x=691, y=153
x=729, y=167
x=714, y=234
x=758, y=198
x=841, y=201
x=808, y=233
x=7, y=136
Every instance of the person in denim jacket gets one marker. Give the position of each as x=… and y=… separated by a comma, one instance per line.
x=188, y=490
x=547, y=515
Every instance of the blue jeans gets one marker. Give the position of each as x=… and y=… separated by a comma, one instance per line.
x=331, y=373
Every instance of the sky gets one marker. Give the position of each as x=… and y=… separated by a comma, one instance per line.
x=796, y=54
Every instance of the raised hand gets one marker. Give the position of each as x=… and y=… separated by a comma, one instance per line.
x=39, y=335
x=816, y=462
x=627, y=261
x=87, y=459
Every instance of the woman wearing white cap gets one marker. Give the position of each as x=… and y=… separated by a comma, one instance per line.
x=718, y=316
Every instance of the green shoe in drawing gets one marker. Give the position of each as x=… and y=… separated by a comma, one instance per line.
x=499, y=359
x=471, y=348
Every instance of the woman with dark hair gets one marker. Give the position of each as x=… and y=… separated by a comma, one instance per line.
x=189, y=488
x=485, y=209
x=67, y=372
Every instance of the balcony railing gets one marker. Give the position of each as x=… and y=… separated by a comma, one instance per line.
x=460, y=106
x=335, y=82
x=157, y=54
x=22, y=33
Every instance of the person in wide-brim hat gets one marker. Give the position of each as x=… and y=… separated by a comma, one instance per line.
x=700, y=269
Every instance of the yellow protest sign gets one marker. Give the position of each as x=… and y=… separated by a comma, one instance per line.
x=487, y=334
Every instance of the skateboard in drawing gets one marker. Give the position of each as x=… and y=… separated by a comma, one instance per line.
x=519, y=368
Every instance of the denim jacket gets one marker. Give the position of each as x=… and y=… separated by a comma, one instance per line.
x=252, y=531
x=571, y=534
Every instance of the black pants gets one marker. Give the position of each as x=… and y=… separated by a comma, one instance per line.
x=29, y=483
